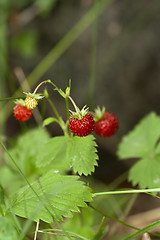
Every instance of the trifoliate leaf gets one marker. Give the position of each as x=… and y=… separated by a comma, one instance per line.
x=53, y=154
x=82, y=154
x=140, y=142
x=146, y=173
x=57, y=196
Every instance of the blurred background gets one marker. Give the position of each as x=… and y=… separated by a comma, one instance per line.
x=110, y=49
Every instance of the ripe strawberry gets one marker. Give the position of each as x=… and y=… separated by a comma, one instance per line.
x=21, y=113
x=31, y=102
x=82, y=127
x=107, y=125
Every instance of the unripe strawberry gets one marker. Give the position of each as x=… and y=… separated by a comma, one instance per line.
x=31, y=102
x=21, y=113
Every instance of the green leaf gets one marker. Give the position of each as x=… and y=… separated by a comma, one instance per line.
x=61, y=153
x=56, y=197
x=7, y=230
x=53, y=154
x=140, y=142
x=49, y=120
x=27, y=147
x=82, y=154
x=7, y=177
x=146, y=173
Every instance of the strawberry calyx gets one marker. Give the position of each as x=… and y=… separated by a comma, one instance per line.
x=79, y=114
x=20, y=102
x=36, y=96
x=99, y=113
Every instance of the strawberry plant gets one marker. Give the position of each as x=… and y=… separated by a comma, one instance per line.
x=46, y=180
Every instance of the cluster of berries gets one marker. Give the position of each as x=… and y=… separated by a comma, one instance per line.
x=105, y=124
x=81, y=122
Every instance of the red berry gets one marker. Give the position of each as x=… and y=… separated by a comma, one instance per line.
x=82, y=127
x=21, y=113
x=107, y=126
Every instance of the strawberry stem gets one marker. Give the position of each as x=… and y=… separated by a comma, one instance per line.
x=49, y=81
x=75, y=106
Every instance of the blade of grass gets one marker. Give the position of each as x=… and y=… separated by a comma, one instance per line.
x=53, y=232
x=143, y=230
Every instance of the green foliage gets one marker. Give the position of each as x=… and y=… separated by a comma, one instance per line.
x=141, y=143
x=56, y=196
x=7, y=177
x=49, y=120
x=82, y=223
x=25, y=150
x=64, y=152
x=82, y=154
x=7, y=230
x=53, y=154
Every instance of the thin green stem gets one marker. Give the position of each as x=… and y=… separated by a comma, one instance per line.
x=113, y=218
x=53, y=232
x=10, y=98
x=144, y=230
x=49, y=81
x=54, y=108
x=126, y=224
x=127, y=192
x=75, y=106
x=59, y=119
x=68, y=113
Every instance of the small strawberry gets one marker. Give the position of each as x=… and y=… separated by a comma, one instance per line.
x=31, y=102
x=107, y=125
x=21, y=113
x=82, y=123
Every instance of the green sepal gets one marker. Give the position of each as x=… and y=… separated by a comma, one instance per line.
x=35, y=96
x=99, y=113
x=68, y=89
x=80, y=113
x=20, y=102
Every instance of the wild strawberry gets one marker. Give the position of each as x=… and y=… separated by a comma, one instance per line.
x=81, y=123
x=82, y=127
x=107, y=125
x=31, y=102
x=21, y=113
